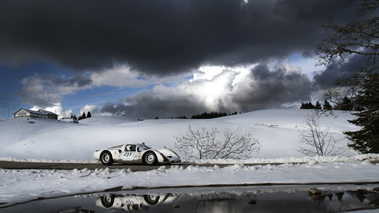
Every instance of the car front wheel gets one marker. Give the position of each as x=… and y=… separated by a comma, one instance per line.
x=150, y=158
x=106, y=158
x=151, y=199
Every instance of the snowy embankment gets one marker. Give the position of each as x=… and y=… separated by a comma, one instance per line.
x=276, y=130
x=23, y=185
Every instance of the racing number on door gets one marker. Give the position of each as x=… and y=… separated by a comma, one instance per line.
x=128, y=154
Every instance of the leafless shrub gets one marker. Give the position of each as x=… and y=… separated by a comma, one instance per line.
x=316, y=141
x=205, y=144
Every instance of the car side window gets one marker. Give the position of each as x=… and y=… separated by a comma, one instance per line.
x=130, y=148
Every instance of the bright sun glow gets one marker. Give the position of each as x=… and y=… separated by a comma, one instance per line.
x=213, y=83
x=210, y=72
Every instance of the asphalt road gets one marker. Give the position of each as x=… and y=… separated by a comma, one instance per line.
x=92, y=166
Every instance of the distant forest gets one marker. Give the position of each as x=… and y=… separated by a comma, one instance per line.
x=345, y=104
x=205, y=115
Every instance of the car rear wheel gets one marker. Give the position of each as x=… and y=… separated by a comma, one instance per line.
x=106, y=158
x=150, y=158
x=107, y=200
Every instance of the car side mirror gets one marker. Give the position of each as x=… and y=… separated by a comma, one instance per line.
x=119, y=151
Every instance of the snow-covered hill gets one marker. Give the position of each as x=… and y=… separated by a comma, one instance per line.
x=41, y=139
x=276, y=130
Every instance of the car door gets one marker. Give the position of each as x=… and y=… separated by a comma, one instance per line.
x=129, y=153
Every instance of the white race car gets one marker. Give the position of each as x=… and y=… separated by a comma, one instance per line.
x=133, y=202
x=136, y=153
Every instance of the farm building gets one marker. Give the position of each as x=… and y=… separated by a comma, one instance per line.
x=34, y=114
x=49, y=114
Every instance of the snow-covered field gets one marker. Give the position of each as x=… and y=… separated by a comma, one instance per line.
x=39, y=139
x=276, y=130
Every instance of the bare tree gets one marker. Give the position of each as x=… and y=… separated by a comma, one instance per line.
x=359, y=36
x=205, y=144
x=316, y=141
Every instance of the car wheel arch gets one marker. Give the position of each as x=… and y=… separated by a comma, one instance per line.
x=103, y=157
x=152, y=161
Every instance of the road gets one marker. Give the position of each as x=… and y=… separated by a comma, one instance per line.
x=92, y=166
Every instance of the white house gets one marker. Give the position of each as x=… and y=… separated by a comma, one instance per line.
x=49, y=114
x=34, y=114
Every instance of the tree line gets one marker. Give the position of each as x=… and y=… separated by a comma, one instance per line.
x=204, y=115
x=81, y=117
x=346, y=104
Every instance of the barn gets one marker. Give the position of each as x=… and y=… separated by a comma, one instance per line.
x=34, y=114
x=49, y=114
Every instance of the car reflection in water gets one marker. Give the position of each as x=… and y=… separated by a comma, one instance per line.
x=270, y=199
x=286, y=198
x=133, y=202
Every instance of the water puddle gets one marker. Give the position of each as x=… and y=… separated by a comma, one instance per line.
x=323, y=198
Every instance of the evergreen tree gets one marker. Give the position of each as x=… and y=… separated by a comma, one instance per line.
x=318, y=105
x=89, y=114
x=83, y=116
x=366, y=140
x=308, y=105
x=327, y=105
x=302, y=105
x=345, y=104
x=359, y=37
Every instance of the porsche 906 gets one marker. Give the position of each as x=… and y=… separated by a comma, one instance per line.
x=136, y=154
x=130, y=202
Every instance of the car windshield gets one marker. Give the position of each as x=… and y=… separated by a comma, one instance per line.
x=143, y=147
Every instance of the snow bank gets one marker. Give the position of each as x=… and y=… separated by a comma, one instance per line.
x=24, y=185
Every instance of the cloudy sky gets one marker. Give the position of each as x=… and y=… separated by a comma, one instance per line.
x=162, y=58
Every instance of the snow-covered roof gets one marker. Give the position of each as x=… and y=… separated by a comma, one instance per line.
x=46, y=112
x=30, y=111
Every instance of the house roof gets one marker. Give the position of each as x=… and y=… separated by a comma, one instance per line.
x=30, y=111
x=46, y=112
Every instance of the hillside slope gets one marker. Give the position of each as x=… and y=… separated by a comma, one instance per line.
x=277, y=131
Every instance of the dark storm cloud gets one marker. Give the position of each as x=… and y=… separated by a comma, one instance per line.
x=263, y=88
x=161, y=101
x=149, y=104
x=272, y=88
x=76, y=81
x=337, y=72
x=160, y=36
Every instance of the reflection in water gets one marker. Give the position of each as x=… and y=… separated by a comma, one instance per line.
x=128, y=202
x=347, y=200
x=328, y=198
